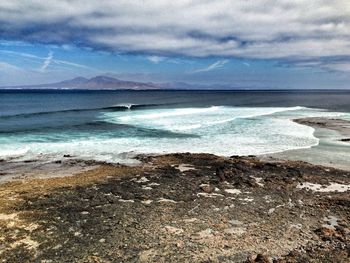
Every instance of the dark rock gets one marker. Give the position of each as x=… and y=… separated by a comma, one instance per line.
x=207, y=188
x=328, y=234
x=260, y=258
x=220, y=173
x=168, y=171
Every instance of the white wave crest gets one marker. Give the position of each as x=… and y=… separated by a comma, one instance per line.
x=218, y=130
x=7, y=153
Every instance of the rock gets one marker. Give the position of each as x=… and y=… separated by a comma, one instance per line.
x=260, y=258
x=169, y=171
x=220, y=173
x=174, y=230
x=205, y=233
x=190, y=220
x=146, y=255
x=146, y=202
x=327, y=233
x=235, y=231
x=207, y=188
x=182, y=219
x=233, y=191
x=143, y=179
x=250, y=259
x=235, y=222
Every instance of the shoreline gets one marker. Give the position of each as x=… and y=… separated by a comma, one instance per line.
x=333, y=149
x=180, y=208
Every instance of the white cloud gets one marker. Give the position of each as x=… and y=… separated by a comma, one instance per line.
x=47, y=61
x=6, y=67
x=155, y=59
x=263, y=29
x=218, y=64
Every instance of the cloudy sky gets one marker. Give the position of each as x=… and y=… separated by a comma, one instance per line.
x=243, y=43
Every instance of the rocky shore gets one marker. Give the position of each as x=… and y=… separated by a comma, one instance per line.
x=180, y=208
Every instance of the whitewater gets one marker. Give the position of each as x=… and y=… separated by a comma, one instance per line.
x=120, y=132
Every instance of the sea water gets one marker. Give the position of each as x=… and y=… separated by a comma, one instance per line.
x=115, y=126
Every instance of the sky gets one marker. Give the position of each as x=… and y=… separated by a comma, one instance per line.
x=268, y=44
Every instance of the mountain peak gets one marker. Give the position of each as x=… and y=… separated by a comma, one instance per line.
x=102, y=78
x=76, y=80
x=100, y=82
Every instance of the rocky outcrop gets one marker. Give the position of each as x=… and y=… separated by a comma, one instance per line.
x=180, y=208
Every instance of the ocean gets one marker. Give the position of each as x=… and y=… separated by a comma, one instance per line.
x=115, y=126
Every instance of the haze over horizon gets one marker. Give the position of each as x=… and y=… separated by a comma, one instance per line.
x=261, y=44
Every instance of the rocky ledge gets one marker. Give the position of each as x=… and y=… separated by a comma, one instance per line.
x=180, y=208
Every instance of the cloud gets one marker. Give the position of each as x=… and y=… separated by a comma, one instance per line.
x=262, y=29
x=6, y=67
x=330, y=64
x=155, y=59
x=47, y=62
x=218, y=64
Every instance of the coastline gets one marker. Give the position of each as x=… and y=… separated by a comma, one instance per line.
x=182, y=207
x=333, y=149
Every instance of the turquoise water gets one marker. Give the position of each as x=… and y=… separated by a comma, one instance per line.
x=114, y=127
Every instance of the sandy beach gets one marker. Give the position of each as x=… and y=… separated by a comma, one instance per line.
x=178, y=208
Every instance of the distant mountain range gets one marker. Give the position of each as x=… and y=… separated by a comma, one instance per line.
x=99, y=82
x=111, y=83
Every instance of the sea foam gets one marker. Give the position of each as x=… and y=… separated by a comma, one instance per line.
x=220, y=130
